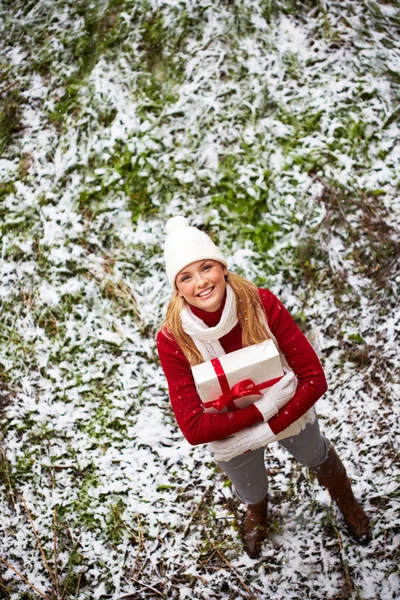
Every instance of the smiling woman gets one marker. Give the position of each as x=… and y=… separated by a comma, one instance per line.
x=213, y=312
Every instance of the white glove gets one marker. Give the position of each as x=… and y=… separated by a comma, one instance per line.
x=277, y=395
x=248, y=439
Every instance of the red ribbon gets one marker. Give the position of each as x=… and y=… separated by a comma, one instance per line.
x=247, y=387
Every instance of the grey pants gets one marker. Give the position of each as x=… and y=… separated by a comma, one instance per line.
x=247, y=471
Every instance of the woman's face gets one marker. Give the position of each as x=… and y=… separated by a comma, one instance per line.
x=202, y=284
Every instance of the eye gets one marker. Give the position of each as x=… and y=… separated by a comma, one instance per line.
x=185, y=278
x=206, y=267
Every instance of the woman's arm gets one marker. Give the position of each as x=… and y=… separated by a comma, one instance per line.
x=300, y=356
x=197, y=426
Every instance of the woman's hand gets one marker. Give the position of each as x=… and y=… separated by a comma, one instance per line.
x=277, y=395
x=248, y=439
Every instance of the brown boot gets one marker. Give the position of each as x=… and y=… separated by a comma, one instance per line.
x=255, y=528
x=332, y=474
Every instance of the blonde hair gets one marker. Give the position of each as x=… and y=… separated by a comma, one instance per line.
x=250, y=314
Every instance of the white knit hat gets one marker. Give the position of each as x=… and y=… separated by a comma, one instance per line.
x=185, y=245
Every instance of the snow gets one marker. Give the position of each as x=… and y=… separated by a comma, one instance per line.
x=221, y=111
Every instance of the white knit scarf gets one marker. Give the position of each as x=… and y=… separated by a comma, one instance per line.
x=207, y=338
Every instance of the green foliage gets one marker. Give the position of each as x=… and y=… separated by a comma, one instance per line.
x=7, y=479
x=356, y=337
x=73, y=580
x=246, y=211
x=134, y=185
x=292, y=64
x=303, y=125
x=271, y=9
x=311, y=261
x=5, y=190
x=117, y=528
x=153, y=40
x=10, y=118
x=103, y=31
x=372, y=247
x=5, y=590
x=127, y=177
x=49, y=320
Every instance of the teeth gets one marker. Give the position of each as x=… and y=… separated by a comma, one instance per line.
x=206, y=292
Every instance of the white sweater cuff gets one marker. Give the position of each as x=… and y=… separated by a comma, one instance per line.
x=263, y=435
x=267, y=407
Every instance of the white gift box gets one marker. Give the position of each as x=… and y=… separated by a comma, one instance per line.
x=237, y=379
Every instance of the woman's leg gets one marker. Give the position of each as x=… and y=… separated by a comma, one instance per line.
x=309, y=447
x=248, y=476
x=250, y=484
x=313, y=450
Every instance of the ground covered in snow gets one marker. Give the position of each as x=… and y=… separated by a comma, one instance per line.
x=275, y=126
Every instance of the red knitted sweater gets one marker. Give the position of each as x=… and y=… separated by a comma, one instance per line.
x=199, y=427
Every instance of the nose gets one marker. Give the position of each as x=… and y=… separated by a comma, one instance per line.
x=201, y=279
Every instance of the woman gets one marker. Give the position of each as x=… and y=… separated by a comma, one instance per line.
x=213, y=312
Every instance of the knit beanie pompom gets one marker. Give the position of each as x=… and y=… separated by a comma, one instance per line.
x=185, y=245
x=176, y=222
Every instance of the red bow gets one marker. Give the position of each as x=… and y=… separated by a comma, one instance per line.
x=247, y=387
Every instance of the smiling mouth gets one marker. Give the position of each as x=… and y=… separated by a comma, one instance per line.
x=206, y=293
